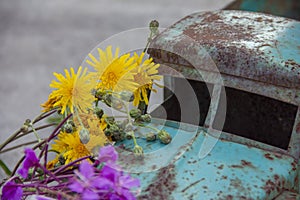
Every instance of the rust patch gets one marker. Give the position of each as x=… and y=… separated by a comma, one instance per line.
x=229, y=197
x=192, y=184
x=276, y=184
x=294, y=165
x=162, y=186
x=236, y=166
x=298, y=128
x=221, y=167
x=243, y=164
x=268, y=156
x=246, y=163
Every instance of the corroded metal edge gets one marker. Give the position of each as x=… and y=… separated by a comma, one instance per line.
x=250, y=45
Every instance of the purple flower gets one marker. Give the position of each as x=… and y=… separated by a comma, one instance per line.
x=121, y=183
x=108, y=154
x=107, y=183
x=43, y=198
x=85, y=181
x=30, y=161
x=11, y=191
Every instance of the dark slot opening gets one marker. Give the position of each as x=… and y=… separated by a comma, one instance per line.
x=257, y=117
x=173, y=107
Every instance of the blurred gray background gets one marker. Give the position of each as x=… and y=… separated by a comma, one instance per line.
x=38, y=38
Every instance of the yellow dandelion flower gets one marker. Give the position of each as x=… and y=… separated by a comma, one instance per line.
x=72, y=91
x=90, y=119
x=96, y=141
x=113, y=72
x=51, y=164
x=48, y=105
x=145, y=75
x=70, y=147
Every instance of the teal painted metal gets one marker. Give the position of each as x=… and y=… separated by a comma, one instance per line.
x=230, y=171
x=254, y=52
x=250, y=45
x=287, y=8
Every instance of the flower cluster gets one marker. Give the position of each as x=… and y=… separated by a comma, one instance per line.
x=107, y=183
x=103, y=179
x=80, y=100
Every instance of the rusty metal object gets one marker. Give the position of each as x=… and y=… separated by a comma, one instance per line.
x=287, y=8
x=253, y=46
x=253, y=52
x=230, y=171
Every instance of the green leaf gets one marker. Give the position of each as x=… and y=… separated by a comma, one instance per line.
x=55, y=119
x=5, y=168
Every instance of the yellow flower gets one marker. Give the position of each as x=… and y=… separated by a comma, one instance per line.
x=91, y=121
x=48, y=105
x=72, y=91
x=70, y=147
x=145, y=74
x=113, y=72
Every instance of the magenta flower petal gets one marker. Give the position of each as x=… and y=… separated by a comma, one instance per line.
x=110, y=173
x=108, y=154
x=129, y=182
x=11, y=191
x=127, y=195
x=76, y=186
x=86, y=169
x=31, y=160
x=89, y=195
x=43, y=198
x=102, y=183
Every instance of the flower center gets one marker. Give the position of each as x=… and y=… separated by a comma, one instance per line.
x=111, y=79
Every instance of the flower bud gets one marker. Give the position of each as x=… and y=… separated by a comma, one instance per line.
x=24, y=128
x=107, y=99
x=138, y=150
x=61, y=159
x=154, y=26
x=84, y=135
x=135, y=113
x=99, y=94
x=129, y=127
x=126, y=96
x=164, y=137
x=114, y=128
x=99, y=112
x=109, y=120
x=107, y=132
x=68, y=128
x=145, y=118
x=150, y=136
x=118, y=136
x=116, y=103
x=26, y=125
x=129, y=135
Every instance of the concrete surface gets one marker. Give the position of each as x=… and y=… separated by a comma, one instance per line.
x=38, y=38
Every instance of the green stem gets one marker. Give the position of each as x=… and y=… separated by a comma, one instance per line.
x=35, y=133
x=150, y=127
x=23, y=157
x=148, y=42
x=43, y=115
x=11, y=138
x=134, y=140
x=19, y=146
x=53, y=134
x=36, y=119
x=79, y=119
x=5, y=168
x=37, y=128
